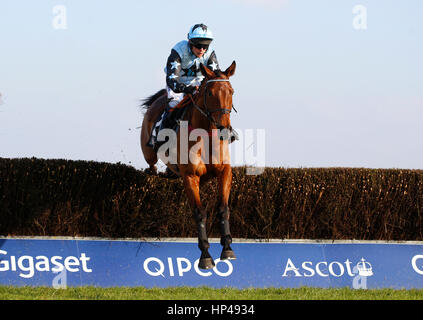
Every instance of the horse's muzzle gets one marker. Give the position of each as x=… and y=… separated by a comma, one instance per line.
x=227, y=133
x=224, y=133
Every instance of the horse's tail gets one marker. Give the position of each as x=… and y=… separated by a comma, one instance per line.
x=147, y=102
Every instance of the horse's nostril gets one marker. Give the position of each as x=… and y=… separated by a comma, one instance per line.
x=224, y=133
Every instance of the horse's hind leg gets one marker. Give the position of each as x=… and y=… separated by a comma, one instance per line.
x=152, y=170
x=152, y=114
x=151, y=158
x=150, y=155
x=192, y=188
x=225, y=182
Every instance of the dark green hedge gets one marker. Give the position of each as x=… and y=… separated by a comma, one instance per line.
x=80, y=198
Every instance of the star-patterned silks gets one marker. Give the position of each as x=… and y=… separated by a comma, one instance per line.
x=175, y=65
x=213, y=65
x=183, y=67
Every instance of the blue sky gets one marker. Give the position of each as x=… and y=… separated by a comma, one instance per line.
x=326, y=94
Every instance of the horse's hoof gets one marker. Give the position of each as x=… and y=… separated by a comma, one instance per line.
x=206, y=263
x=227, y=255
x=150, y=172
x=169, y=174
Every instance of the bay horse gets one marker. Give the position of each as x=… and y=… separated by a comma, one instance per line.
x=209, y=109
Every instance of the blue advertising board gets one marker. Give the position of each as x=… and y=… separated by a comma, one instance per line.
x=287, y=264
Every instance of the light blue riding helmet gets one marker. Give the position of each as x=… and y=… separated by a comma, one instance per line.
x=201, y=34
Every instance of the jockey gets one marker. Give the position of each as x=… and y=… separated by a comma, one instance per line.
x=183, y=73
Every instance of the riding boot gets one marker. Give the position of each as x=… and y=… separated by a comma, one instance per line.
x=164, y=124
x=169, y=119
x=153, y=135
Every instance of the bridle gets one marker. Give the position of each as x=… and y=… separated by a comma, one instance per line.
x=208, y=113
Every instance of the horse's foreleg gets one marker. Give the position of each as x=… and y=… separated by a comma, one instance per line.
x=225, y=183
x=192, y=188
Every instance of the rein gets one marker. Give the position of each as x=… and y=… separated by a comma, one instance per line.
x=207, y=113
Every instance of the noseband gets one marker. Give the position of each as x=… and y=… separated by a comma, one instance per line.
x=222, y=110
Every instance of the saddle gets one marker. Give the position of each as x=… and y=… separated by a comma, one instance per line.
x=177, y=113
x=171, y=121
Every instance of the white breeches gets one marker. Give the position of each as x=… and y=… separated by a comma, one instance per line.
x=174, y=98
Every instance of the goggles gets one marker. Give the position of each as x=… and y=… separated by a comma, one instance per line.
x=201, y=46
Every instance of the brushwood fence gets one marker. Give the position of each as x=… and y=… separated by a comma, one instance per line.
x=80, y=198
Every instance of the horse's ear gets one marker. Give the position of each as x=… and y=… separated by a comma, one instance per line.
x=231, y=70
x=206, y=71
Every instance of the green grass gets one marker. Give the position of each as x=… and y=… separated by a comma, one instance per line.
x=203, y=293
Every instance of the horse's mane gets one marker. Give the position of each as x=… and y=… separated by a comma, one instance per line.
x=217, y=73
x=147, y=102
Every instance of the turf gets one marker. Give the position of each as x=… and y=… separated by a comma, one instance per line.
x=203, y=293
